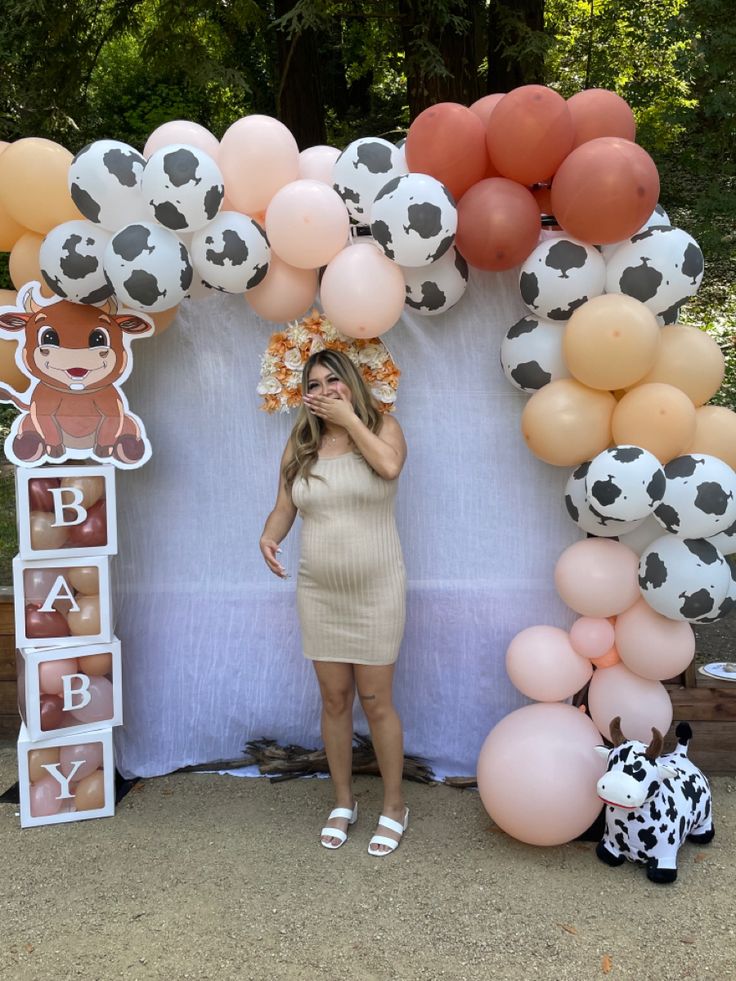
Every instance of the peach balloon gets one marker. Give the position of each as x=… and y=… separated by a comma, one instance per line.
x=44, y=800
x=484, y=106
x=85, y=621
x=101, y=706
x=23, y=264
x=598, y=577
x=92, y=489
x=715, y=433
x=84, y=579
x=448, y=142
x=89, y=793
x=689, y=359
x=651, y=645
x=641, y=703
x=537, y=773
x=163, y=319
x=611, y=341
x=316, y=163
x=89, y=754
x=565, y=423
x=530, y=134
x=600, y=112
x=608, y=660
x=10, y=230
x=362, y=292
x=307, y=224
x=33, y=184
x=10, y=373
x=658, y=417
x=36, y=760
x=182, y=131
x=605, y=190
x=51, y=674
x=43, y=532
x=285, y=293
x=498, y=224
x=258, y=155
x=592, y=637
x=543, y=665
x=95, y=664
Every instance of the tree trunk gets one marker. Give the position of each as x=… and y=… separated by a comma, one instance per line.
x=513, y=56
x=299, y=102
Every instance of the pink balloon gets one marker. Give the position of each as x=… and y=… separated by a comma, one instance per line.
x=89, y=753
x=43, y=796
x=307, y=224
x=51, y=673
x=484, y=106
x=537, y=773
x=641, y=703
x=592, y=636
x=597, y=577
x=542, y=664
x=101, y=706
x=651, y=645
x=285, y=293
x=182, y=131
x=362, y=292
x=258, y=155
x=37, y=583
x=316, y=163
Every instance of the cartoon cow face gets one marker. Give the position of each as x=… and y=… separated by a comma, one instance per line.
x=633, y=776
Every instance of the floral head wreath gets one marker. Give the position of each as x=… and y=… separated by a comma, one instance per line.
x=288, y=351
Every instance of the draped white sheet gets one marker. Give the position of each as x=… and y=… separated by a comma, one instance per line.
x=210, y=638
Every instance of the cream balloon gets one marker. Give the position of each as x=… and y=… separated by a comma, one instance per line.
x=258, y=155
x=689, y=359
x=542, y=664
x=307, y=224
x=285, y=293
x=85, y=579
x=715, y=433
x=566, y=423
x=598, y=577
x=86, y=621
x=36, y=760
x=362, y=292
x=316, y=163
x=640, y=702
x=651, y=645
x=44, y=533
x=658, y=417
x=92, y=489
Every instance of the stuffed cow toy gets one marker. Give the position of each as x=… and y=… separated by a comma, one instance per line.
x=653, y=803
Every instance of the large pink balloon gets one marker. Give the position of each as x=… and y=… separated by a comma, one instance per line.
x=307, y=224
x=542, y=664
x=285, y=293
x=101, y=704
x=537, y=773
x=182, y=131
x=362, y=292
x=641, y=703
x=258, y=155
x=598, y=577
x=592, y=636
x=43, y=796
x=89, y=753
x=316, y=163
x=51, y=674
x=651, y=645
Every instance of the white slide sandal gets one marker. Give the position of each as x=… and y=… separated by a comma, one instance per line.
x=391, y=843
x=338, y=812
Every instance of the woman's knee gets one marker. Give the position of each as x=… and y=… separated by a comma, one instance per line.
x=376, y=707
x=338, y=701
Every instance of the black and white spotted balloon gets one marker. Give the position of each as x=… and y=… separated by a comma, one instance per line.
x=361, y=170
x=559, y=276
x=148, y=267
x=413, y=220
x=625, y=482
x=435, y=288
x=105, y=184
x=183, y=187
x=683, y=578
x=585, y=516
x=725, y=541
x=71, y=261
x=531, y=354
x=727, y=605
x=700, y=496
x=232, y=253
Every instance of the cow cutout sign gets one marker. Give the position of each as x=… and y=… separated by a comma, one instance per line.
x=76, y=357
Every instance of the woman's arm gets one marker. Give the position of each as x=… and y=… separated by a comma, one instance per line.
x=279, y=522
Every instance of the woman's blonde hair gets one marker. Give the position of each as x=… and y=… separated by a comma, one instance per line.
x=308, y=428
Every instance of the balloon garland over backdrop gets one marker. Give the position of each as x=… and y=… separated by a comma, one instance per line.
x=618, y=389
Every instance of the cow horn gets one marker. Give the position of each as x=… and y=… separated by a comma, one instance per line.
x=655, y=746
x=617, y=737
x=29, y=304
x=110, y=305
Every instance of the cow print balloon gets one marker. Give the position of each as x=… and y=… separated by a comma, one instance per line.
x=585, y=516
x=725, y=541
x=148, y=266
x=414, y=220
x=625, y=482
x=531, y=354
x=726, y=605
x=559, y=276
x=657, y=217
x=435, y=288
x=232, y=253
x=71, y=262
x=183, y=187
x=683, y=579
x=700, y=496
x=105, y=184
x=361, y=170
x=660, y=266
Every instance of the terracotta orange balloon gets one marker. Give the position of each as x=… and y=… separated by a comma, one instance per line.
x=715, y=433
x=608, y=660
x=23, y=264
x=566, y=423
x=659, y=418
x=498, y=224
x=600, y=112
x=529, y=134
x=448, y=142
x=605, y=190
x=92, y=532
x=33, y=184
x=484, y=106
x=42, y=625
x=84, y=579
x=89, y=793
x=85, y=621
x=689, y=359
x=611, y=341
x=44, y=533
x=285, y=293
x=10, y=373
x=36, y=760
x=96, y=664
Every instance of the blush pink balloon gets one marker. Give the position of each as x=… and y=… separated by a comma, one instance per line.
x=37, y=583
x=362, y=292
x=597, y=577
x=651, y=645
x=285, y=293
x=182, y=131
x=258, y=155
x=51, y=674
x=101, y=705
x=537, y=773
x=542, y=664
x=307, y=224
x=43, y=796
x=316, y=163
x=89, y=753
x=641, y=703
x=592, y=636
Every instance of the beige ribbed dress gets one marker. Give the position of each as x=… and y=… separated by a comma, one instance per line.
x=351, y=585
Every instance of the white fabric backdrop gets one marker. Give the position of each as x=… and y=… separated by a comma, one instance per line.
x=210, y=638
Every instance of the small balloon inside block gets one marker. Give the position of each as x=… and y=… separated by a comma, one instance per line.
x=69, y=689
x=62, y=603
x=66, y=778
x=66, y=511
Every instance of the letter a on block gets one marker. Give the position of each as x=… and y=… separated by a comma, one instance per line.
x=74, y=505
x=82, y=692
x=60, y=590
x=53, y=769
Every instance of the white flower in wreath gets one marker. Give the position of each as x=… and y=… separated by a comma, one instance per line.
x=299, y=334
x=269, y=364
x=269, y=386
x=329, y=332
x=294, y=380
x=317, y=345
x=384, y=393
x=293, y=359
x=372, y=355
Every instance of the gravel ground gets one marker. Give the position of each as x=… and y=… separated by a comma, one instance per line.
x=210, y=877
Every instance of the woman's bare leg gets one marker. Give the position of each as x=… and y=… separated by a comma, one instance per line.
x=337, y=687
